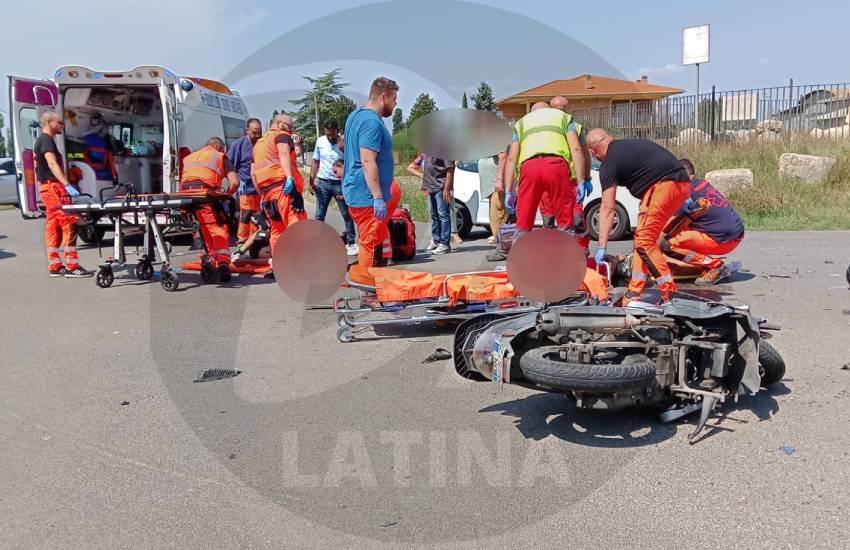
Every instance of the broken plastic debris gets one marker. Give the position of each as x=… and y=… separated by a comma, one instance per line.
x=788, y=450
x=439, y=354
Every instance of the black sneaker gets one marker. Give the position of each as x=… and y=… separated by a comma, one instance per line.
x=497, y=256
x=57, y=273
x=78, y=272
x=224, y=273
x=270, y=275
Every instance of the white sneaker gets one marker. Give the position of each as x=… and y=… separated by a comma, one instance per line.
x=441, y=249
x=431, y=246
x=491, y=239
x=352, y=249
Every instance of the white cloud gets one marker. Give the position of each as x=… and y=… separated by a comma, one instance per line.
x=668, y=69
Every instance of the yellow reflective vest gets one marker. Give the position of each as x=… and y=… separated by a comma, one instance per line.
x=544, y=132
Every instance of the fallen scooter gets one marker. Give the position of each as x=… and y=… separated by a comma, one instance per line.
x=686, y=356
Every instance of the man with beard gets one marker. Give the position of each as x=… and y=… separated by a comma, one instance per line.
x=369, y=166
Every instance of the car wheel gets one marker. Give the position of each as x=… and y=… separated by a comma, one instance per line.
x=619, y=229
x=463, y=219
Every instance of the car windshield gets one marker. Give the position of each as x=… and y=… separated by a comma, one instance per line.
x=468, y=165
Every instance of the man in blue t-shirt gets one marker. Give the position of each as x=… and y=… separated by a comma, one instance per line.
x=368, y=173
x=710, y=228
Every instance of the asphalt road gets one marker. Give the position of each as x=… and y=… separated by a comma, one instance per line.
x=325, y=445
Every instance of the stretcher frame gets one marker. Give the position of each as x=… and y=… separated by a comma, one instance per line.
x=352, y=319
x=149, y=206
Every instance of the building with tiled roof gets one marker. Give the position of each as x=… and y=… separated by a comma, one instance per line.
x=584, y=92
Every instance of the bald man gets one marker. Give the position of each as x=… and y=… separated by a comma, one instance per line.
x=548, y=153
x=652, y=174
x=275, y=170
x=55, y=190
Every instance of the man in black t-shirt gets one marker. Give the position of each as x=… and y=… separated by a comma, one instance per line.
x=652, y=174
x=55, y=190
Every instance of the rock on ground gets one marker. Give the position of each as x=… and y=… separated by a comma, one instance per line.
x=808, y=168
x=731, y=178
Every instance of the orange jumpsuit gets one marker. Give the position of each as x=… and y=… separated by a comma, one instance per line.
x=205, y=169
x=374, y=249
x=659, y=203
x=61, y=228
x=248, y=206
x=282, y=210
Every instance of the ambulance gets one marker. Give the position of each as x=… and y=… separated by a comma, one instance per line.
x=148, y=118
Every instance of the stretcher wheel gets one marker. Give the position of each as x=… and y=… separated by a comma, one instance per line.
x=169, y=281
x=209, y=274
x=343, y=334
x=144, y=271
x=104, y=277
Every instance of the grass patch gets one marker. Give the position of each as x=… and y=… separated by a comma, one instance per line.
x=775, y=203
x=412, y=195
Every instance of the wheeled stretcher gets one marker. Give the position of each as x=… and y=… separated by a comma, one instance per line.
x=144, y=210
x=398, y=297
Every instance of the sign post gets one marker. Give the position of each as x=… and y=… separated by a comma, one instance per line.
x=695, y=50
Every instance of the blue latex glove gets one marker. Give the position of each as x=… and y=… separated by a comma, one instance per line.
x=380, y=208
x=510, y=202
x=584, y=189
x=72, y=191
x=243, y=187
x=288, y=186
x=600, y=255
x=690, y=206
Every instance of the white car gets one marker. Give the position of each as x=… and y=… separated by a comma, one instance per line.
x=472, y=209
x=8, y=182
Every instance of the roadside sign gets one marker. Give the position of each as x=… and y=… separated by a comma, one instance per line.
x=695, y=45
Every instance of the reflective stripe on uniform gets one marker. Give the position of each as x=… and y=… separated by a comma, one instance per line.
x=54, y=261
x=690, y=257
x=211, y=165
x=639, y=276
x=664, y=279
x=222, y=251
x=51, y=249
x=70, y=249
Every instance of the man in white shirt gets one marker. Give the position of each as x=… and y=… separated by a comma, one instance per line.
x=326, y=152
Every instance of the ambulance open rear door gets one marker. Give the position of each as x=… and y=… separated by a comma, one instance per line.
x=28, y=99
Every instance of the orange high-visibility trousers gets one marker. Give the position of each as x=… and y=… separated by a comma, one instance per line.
x=659, y=203
x=372, y=234
x=60, y=228
x=216, y=237
x=279, y=213
x=249, y=205
x=697, y=248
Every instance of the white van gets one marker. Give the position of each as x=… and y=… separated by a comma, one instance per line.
x=153, y=117
x=473, y=209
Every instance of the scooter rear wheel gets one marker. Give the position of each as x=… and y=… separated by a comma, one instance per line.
x=104, y=277
x=169, y=281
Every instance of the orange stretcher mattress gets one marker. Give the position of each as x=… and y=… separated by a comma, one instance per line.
x=239, y=267
x=398, y=285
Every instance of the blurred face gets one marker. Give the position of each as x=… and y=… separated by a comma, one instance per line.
x=388, y=102
x=332, y=134
x=254, y=132
x=337, y=168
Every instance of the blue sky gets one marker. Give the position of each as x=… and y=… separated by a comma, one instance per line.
x=753, y=43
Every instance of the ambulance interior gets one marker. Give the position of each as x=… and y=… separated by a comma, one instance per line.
x=126, y=121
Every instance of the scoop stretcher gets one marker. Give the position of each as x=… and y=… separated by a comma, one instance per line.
x=395, y=297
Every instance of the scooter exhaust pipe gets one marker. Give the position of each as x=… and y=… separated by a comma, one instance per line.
x=555, y=322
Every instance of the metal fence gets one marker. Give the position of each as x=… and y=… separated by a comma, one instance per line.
x=765, y=114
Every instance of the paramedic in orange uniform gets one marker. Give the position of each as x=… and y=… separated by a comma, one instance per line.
x=204, y=170
x=60, y=228
x=278, y=180
x=367, y=182
x=652, y=174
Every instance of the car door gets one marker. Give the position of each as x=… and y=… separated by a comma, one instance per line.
x=28, y=99
x=170, y=163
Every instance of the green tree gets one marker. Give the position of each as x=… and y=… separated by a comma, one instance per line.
x=339, y=110
x=423, y=105
x=483, y=99
x=398, y=121
x=317, y=104
x=464, y=103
